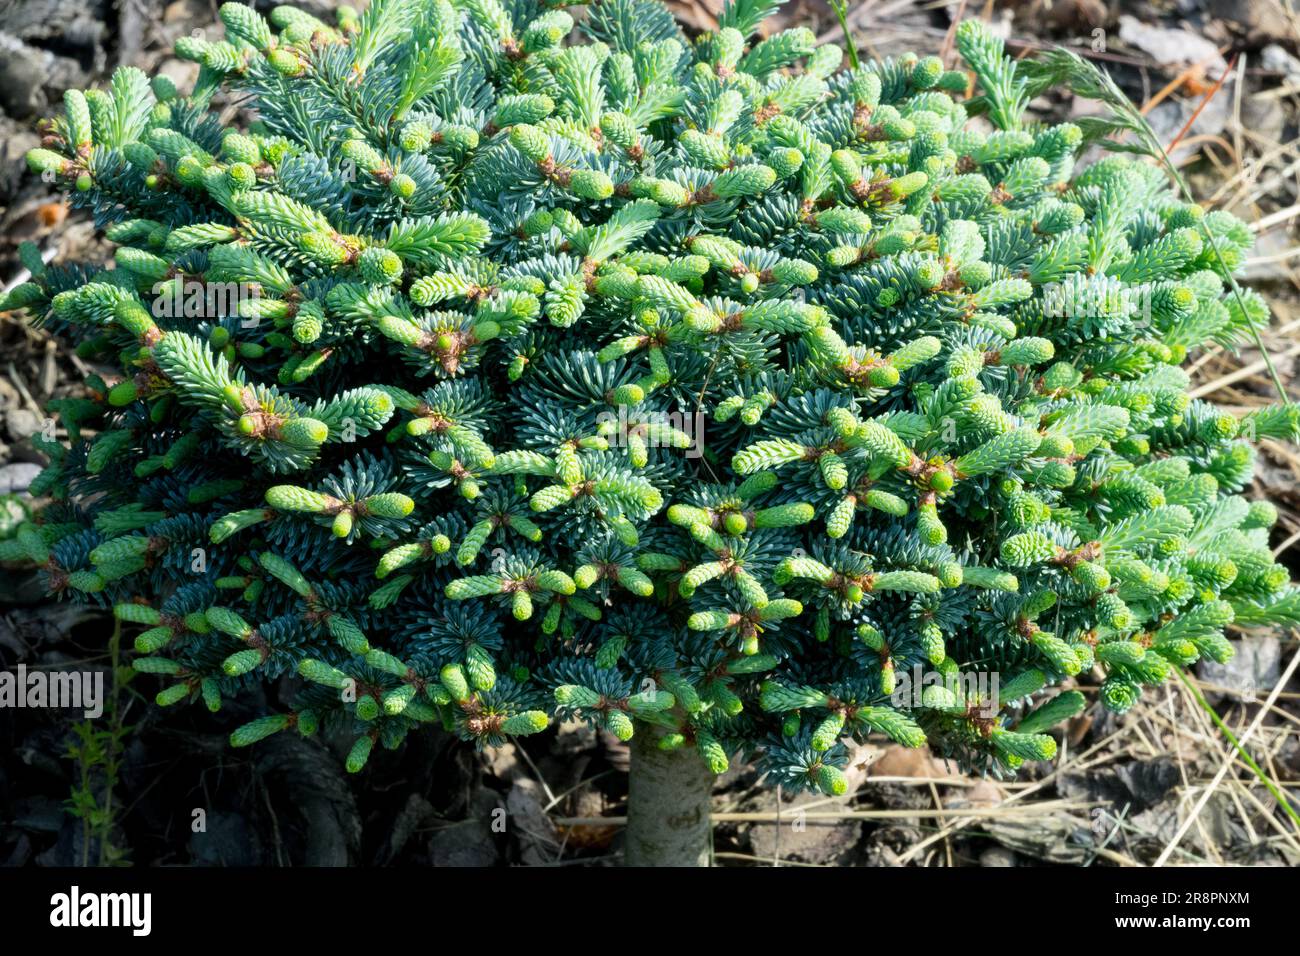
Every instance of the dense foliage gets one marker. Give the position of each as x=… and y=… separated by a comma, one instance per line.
x=500, y=370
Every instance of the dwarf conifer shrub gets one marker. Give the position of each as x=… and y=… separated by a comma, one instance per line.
x=707, y=391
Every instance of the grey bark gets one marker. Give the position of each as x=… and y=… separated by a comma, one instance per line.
x=668, y=805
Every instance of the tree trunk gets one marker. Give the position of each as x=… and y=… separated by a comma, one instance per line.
x=668, y=805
